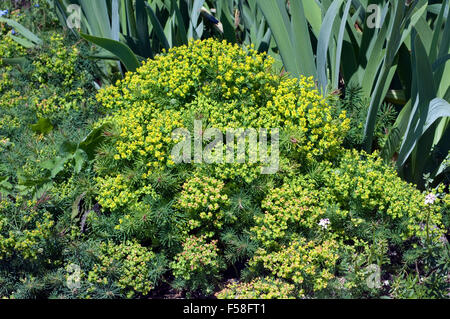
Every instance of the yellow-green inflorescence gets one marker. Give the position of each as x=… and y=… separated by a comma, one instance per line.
x=220, y=84
x=305, y=263
x=57, y=65
x=203, y=199
x=25, y=232
x=366, y=182
x=330, y=205
x=259, y=288
x=199, y=264
x=127, y=265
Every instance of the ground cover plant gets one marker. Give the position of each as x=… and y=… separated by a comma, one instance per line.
x=96, y=203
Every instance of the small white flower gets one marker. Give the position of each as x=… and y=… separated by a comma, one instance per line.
x=324, y=223
x=430, y=199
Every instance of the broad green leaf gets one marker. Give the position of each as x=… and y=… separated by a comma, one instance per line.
x=68, y=147
x=43, y=126
x=119, y=49
x=94, y=139
x=15, y=61
x=23, y=42
x=96, y=13
x=79, y=158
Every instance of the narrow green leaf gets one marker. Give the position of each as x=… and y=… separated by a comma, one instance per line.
x=159, y=31
x=335, y=82
x=142, y=30
x=182, y=33
x=301, y=40
x=324, y=42
x=278, y=20
x=22, y=30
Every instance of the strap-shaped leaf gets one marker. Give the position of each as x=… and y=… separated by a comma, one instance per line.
x=22, y=30
x=438, y=108
x=122, y=51
x=142, y=30
x=339, y=45
x=324, y=42
x=157, y=27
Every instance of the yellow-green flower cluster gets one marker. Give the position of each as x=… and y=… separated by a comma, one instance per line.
x=25, y=233
x=143, y=143
x=300, y=107
x=11, y=98
x=127, y=265
x=225, y=87
x=288, y=211
x=366, y=181
x=5, y=79
x=212, y=67
x=259, y=288
x=70, y=100
x=146, y=135
x=230, y=88
x=117, y=192
x=58, y=63
x=307, y=264
x=9, y=122
x=9, y=48
x=199, y=259
x=203, y=199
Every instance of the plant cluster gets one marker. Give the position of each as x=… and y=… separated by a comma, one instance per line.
x=202, y=198
x=127, y=265
x=100, y=209
x=198, y=266
x=259, y=288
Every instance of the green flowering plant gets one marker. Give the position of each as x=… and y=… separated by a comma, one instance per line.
x=198, y=266
x=200, y=81
x=259, y=288
x=126, y=265
x=203, y=200
x=289, y=210
x=60, y=66
x=310, y=267
x=365, y=185
x=25, y=229
x=110, y=198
